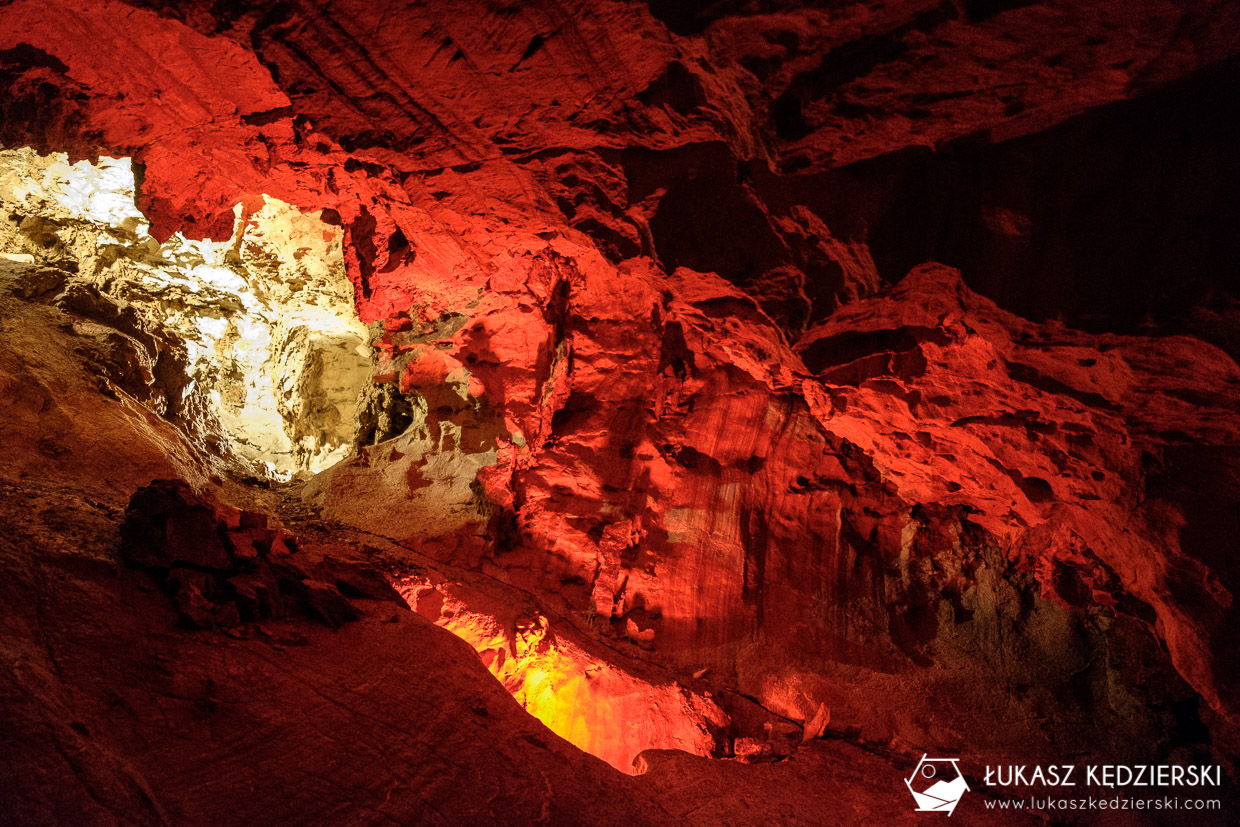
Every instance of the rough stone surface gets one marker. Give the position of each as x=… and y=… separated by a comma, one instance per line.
x=224, y=566
x=656, y=350
x=252, y=341
x=114, y=711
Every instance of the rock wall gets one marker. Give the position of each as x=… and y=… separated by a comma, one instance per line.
x=257, y=331
x=644, y=351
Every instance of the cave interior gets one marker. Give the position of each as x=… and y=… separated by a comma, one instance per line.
x=637, y=413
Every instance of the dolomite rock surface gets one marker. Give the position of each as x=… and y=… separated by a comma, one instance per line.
x=114, y=710
x=650, y=339
x=257, y=331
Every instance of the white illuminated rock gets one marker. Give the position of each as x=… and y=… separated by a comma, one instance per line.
x=273, y=342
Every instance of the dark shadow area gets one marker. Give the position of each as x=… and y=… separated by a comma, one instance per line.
x=1123, y=219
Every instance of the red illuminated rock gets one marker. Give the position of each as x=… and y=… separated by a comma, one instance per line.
x=634, y=361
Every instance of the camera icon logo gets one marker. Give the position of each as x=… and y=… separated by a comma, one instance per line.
x=937, y=784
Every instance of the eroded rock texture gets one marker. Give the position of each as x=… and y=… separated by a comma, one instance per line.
x=257, y=331
x=663, y=404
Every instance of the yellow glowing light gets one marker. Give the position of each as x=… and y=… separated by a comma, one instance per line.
x=598, y=707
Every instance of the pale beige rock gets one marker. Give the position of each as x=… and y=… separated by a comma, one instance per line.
x=274, y=346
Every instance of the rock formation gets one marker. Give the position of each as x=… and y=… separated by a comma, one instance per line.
x=806, y=389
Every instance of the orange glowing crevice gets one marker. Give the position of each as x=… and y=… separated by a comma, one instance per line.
x=598, y=707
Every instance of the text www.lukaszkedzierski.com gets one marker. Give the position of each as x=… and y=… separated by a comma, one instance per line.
x=1095, y=803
